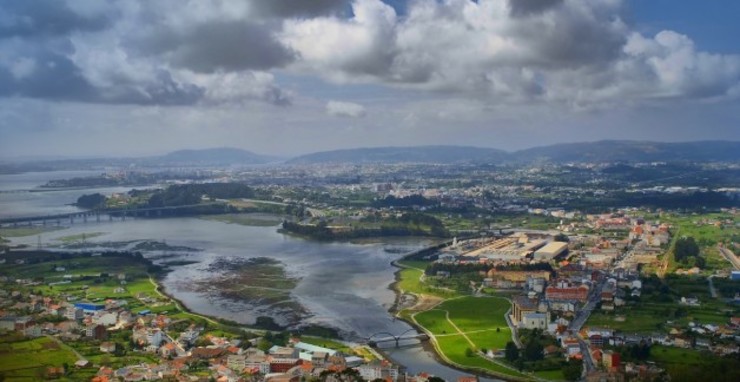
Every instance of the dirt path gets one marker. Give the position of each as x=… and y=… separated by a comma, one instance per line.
x=447, y=316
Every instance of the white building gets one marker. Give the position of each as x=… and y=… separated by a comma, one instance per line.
x=105, y=318
x=534, y=321
x=74, y=314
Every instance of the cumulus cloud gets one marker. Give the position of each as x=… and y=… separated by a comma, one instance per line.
x=519, y=8
x=48, y=17
x=296, y=8
x=344, y=49
x=345, y=109
x=139, y=52
x=577, y=52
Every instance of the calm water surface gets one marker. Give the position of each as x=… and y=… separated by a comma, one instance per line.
x=342, y=285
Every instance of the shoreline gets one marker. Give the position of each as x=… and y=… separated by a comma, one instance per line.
x=430, y=346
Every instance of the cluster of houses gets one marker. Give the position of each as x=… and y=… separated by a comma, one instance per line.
x=181, y=350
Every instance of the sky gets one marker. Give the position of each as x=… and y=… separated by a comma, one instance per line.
x=82, y=78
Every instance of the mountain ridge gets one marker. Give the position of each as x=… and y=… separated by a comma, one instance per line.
x=596, y=151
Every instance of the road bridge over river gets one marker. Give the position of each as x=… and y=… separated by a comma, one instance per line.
x=382, y=337
x=96, y=215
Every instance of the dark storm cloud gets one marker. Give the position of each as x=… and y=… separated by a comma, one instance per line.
x=297, y=8
x=127, y=53
x=162, y=90
x=45, y=17
x=56, y=77
x=572, y=42
x=212, y=46
x=521, y=8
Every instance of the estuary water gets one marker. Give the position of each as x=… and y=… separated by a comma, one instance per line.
x=341, y=285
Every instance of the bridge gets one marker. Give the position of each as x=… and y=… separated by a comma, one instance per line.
x=377, y=338
x=94, y=215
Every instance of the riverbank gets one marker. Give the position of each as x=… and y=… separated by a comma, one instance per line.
x=456, y=338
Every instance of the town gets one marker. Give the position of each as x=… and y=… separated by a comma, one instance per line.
x=528, y=272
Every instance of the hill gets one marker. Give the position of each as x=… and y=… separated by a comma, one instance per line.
x=416, y=154
x=212, y=157
x=600, y=151
x=633, y=151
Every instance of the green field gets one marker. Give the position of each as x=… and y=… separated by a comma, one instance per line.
x=672, y=355
x=454, y=348
x=80, y=266
x=552, y=375
x=410, y=280
x=31, y=357
x=435, y=321
x=651, y=317
x=477, y=313
x=480, y=319
x=248, y=219
x=706, y=235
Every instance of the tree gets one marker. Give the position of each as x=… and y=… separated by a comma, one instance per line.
x=562, y=237
x=572, y=370
x=533, y=350
x=685, y=248
x=512, y=352
x=92, y=201
x=469, y=352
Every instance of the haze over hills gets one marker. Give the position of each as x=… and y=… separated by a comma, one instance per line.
x=633, y=151
x=214, y=157
x=601, y=151
x=412, y=154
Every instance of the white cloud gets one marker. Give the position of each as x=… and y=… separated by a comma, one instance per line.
x=345, y=109
x=579, y=53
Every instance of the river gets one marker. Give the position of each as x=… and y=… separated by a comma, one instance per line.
x=341, y=285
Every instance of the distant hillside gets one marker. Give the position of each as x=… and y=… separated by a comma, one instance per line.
x=601, y=151
x=633, y=151
x=211, y=157
x=416, y=154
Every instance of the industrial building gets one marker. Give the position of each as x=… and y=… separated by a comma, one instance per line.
x=551, y=251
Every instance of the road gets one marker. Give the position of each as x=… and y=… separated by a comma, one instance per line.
x=585, y=312
x=712, y=290
x=580, y=320
x=730, y=257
